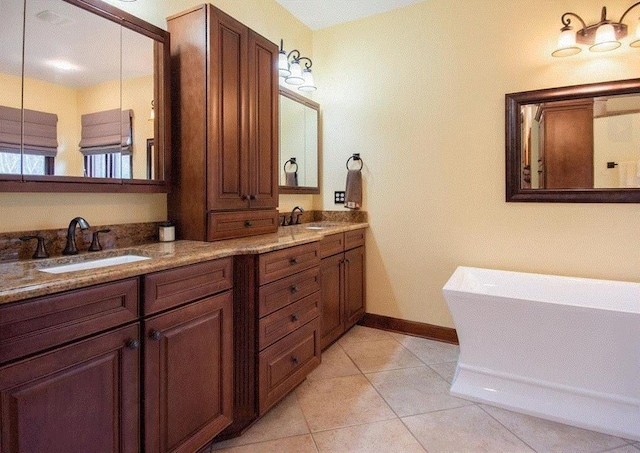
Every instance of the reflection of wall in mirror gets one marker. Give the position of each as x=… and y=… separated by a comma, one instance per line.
x=616, y=139
x=292, y=136
x=61, y=100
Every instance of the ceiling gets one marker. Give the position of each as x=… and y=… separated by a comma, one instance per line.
x=317, y=14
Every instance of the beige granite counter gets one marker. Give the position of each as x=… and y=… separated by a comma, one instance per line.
x=22, y=279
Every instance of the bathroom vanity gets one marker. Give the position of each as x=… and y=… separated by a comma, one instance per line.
x=164, y=353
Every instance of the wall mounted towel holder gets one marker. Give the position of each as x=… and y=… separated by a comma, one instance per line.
x=291, y=161
x=356, y=158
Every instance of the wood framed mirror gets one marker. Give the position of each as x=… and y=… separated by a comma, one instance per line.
x=576, y=144
x=299, y=163
x=85, y=86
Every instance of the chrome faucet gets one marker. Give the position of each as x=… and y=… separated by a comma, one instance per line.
x=295, y=220
x=70, y=248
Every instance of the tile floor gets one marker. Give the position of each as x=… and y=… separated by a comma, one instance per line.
x=384, y=392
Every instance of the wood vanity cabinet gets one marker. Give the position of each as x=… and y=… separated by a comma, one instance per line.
x=77, y=368
x=188, y=355
x=342, y=280
x=62, y=396
x=225, y=127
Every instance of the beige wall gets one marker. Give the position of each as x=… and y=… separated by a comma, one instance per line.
x=419, y=92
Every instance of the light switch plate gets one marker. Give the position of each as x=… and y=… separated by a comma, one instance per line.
x=338, y=197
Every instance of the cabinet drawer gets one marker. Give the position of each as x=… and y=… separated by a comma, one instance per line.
x=38, y=324
x=277, y=325
x=175, y=287
x=354, y=238
x=279, y=294
x=285, y=364
x=223, y=225
x=275, y=265
x=332, y=244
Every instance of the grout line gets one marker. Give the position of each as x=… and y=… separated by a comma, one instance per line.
x=505, y=427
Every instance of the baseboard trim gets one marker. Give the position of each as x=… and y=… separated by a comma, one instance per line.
x=417, y=329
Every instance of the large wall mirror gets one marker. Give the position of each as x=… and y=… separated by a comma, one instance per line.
x=83, y=98
x=574, y=144
x=299, y=143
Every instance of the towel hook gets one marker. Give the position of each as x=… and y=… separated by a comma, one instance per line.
x=291, y=161
x=355, y=157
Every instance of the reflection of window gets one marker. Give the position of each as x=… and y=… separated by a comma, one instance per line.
x=106, y=144
x=30, y=134
x=32, y=165
x=114, y=165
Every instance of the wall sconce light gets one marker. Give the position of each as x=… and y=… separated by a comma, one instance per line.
x=289, y=67
x=600, y=37
x=152, y=114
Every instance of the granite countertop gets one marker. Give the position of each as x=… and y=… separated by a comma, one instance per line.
x=22, y=279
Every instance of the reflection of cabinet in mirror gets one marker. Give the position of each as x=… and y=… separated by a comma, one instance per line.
x=565, y=157
x=299, y=143
x=67, y=74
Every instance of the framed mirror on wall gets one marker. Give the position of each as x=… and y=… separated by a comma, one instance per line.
x=574, y=144
x=299, y=144
x=94, y=84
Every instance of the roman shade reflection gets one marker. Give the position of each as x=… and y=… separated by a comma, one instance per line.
x=40, y=132
x=107, y=132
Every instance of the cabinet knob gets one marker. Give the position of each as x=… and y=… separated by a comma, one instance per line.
x=155, y=335
x=295, y=360
x=248, y=224
x=293, y=261
x=245, y=197
x=133, y=344
x=252, y=197
x=294, y=289
x=294, y=317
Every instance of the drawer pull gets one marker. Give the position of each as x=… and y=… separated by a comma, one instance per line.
x=252, y=197
x=133, y=344
x=248, y=224
x=293, y=261
x=295, y=360
x=245, y=197
x=294, y=289
x=155, y=335
x=294, y=317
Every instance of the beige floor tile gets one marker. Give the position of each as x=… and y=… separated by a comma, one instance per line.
x=547, y=436
x=359, y=334
x=429, y=351
x=335, y=363
x=380, y=355
x=380, y=437
x=297, y=444
x=284, y=420
x=341, y=402
x=445, y=369
x=464, y=429
x=414, y=391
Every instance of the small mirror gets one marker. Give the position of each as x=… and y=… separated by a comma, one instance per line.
x=575, y=144
x=299, y=143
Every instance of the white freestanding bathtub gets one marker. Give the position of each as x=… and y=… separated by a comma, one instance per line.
x=561, y=348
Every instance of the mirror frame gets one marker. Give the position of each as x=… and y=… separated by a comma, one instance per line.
x=314, y=105
x=162, y=127
x=513, y=104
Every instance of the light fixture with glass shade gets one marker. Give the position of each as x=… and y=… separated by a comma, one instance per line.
x=290, y=69
x=600, y=37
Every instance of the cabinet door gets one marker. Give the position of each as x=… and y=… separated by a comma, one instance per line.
x=188, y=375
x=227, y=159
x=354, y=286
x=263, y=122
x=78, y=398
x=332, y=300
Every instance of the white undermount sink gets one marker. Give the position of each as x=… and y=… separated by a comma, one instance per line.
x=94, y=264
x=318, y=226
